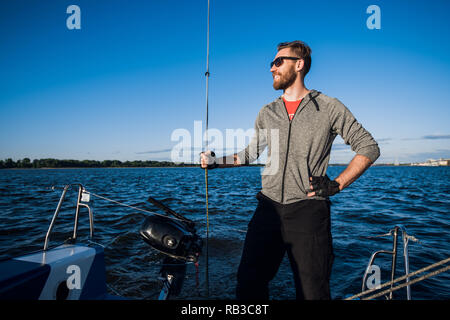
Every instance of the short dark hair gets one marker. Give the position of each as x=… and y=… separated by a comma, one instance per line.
x=302, y=50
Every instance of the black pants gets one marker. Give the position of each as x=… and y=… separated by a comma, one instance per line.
x=301, y=229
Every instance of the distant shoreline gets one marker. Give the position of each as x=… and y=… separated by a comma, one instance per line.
x=54, y=168
x=193, y=166
x=162, y=167
x=50, y=163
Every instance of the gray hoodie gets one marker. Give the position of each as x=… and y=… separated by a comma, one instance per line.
x=300, y=148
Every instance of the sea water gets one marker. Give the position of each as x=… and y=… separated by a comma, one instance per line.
x=416, y=198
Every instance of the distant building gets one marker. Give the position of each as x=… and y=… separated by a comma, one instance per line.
x=433, y=163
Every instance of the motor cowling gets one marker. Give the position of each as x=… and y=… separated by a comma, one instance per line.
x=172, y=237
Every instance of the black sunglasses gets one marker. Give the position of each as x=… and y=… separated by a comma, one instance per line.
x=279, y=61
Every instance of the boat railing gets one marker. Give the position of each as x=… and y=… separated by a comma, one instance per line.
x=393, y=253
x=388, y=292
x=82, y=199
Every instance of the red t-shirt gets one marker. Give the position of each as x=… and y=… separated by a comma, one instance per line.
x=291, y=107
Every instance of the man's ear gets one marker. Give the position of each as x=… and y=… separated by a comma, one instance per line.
x=300, y=64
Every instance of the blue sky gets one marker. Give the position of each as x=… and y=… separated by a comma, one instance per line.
x=119, y=87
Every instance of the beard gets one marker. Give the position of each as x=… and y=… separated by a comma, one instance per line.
x=285, y=80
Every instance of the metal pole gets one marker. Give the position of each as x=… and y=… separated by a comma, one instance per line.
x=372, y=259
x=406, y=259
x=77, y=212
x=47, y=236
x=394, y=259
x=206, y=146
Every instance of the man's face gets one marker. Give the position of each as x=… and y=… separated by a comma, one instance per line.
x=285, y=75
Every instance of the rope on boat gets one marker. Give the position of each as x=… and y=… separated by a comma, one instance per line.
x=409, y=283
x=409, y=275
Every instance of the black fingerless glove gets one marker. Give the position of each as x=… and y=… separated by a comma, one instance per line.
x=324, y=187
x=214, y=165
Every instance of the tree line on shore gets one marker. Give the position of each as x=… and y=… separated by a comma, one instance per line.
x=56, y=163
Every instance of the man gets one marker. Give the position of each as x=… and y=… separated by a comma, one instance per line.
x=293, y=212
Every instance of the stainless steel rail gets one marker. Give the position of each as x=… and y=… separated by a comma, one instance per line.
x=81, y=191
x=393, y=232
x=405, y=239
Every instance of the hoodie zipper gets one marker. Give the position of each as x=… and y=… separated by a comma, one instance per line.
x=286, y=160
x=288, y=141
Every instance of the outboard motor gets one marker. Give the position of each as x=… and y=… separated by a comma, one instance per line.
x=171, y=237
x=177, y=239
